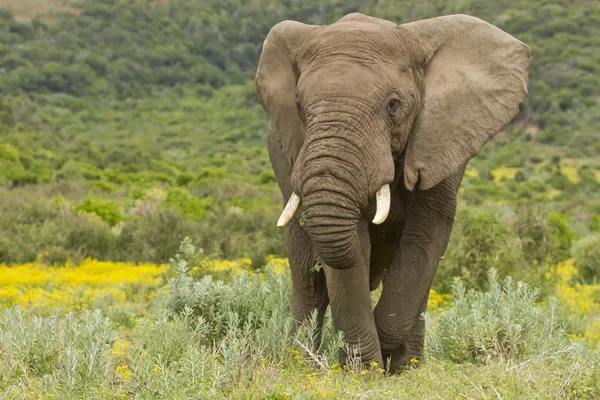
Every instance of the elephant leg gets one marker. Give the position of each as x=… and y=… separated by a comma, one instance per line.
x=382, y=255
x=407, y=283
x=411, y=349
x=351, y=310
x=309, y=291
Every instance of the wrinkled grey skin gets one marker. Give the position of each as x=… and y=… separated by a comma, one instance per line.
x=361, y=103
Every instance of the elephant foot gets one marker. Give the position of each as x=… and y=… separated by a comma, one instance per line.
x=352, y=359
x=402, y=359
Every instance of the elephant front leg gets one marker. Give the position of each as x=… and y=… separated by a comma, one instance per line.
x=410, y=350
x=407, y=282
x=351, y=310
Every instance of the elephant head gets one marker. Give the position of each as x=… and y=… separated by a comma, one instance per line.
x=352, y=99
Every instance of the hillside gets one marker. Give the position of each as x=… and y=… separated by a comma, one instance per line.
x=129, y=124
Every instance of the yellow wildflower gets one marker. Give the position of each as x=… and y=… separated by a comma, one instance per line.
x=124, y=372
x=578, y=298
x=472, y=172
x=502, y=173
x=49, y=287
x=437, y=301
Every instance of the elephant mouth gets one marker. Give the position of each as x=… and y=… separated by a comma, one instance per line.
x=382, y=196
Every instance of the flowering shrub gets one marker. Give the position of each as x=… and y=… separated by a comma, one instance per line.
x=438, y=301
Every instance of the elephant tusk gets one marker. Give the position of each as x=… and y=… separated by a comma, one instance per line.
x=383, y=204
x=289, y=210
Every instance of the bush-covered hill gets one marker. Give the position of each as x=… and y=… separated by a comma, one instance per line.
x=126, y=125
x=118, y=48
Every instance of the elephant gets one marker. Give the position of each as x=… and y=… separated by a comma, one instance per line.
x=371, y=126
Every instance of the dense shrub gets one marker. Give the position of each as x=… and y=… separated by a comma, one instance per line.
x=248, y=312
x=179, y=113
x=503, y=322
x=521, y=241
x=190, y=205
x=265, y=306
x=74, y=347
x=545, y=237
x=480, y=240
x=148, y=229
x=231, y=338
x=586, y=253
x=154, y=237
x=105, y=209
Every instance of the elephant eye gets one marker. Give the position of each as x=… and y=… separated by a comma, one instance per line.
x=393, y=105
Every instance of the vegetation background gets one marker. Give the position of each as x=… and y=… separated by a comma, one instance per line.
x=129, y=125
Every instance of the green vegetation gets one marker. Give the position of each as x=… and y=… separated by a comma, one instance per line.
x=205, y=337
x=135, y=123
x=230, y=338
x=499, y=323
x=586, y=253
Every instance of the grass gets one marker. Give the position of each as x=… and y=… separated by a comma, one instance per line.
x=218, y=329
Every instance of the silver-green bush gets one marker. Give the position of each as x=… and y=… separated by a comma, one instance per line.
x=501, y=323
x=69, y=351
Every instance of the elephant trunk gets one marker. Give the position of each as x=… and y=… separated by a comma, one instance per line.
x=332, y=224
x=339, y=169
x=334, y=190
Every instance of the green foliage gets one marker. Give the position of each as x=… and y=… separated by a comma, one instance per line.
x=545, y=236
x=500, y=323
x=6, y=116
x=210, y=44
x=216, y=302
x=131, y=96
x=105, y=209
x=191, y=206
x=480, y=240
x=146, y=229
x=522, y=241
x=73, y=347
x=586, y=255
x=154, y=234
x=9, y=153
x=209, y=338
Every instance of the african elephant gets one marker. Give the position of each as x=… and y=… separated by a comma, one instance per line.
x=371, y=127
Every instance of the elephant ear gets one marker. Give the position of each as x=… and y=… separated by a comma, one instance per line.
x=276, y=79
x=475, y=77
